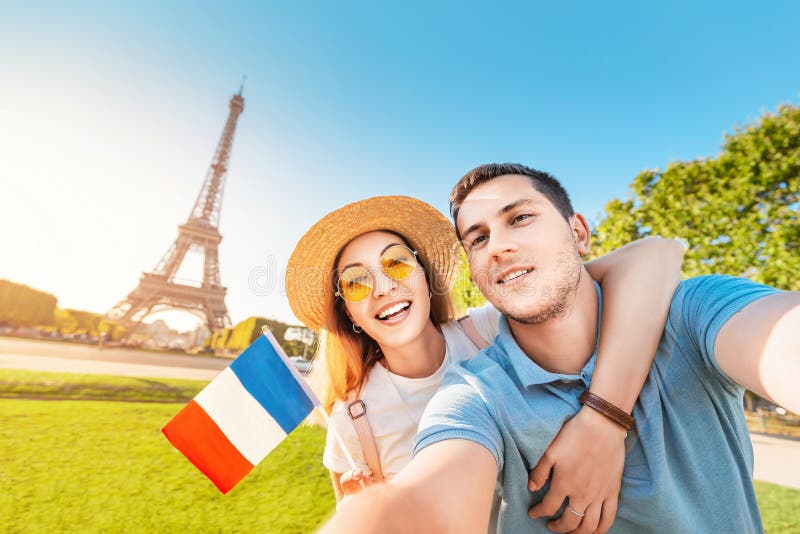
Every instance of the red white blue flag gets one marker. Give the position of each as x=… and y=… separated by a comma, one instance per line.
x=241, y=415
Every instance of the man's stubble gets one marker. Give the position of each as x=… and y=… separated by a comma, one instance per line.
x=555, y=300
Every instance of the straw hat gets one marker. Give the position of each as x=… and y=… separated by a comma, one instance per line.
x=426, y=230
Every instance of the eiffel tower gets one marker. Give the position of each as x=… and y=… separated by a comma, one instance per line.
x=159, y=290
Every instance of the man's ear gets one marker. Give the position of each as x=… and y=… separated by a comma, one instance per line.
x=581, y=233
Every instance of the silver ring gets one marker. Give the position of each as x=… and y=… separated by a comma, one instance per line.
x=574, y=512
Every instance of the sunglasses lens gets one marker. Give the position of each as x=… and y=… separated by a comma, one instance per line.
x=355, y=284
x=398, y=262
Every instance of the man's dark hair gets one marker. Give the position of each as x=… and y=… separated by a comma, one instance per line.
x=541, y=181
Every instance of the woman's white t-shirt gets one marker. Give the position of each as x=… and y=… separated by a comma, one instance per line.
x=395, y=403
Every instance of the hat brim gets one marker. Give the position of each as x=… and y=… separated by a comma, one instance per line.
x=311, y=263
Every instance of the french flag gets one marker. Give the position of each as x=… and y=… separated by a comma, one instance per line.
x=241, y=415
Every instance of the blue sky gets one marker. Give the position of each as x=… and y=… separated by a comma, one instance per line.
x=110, y=112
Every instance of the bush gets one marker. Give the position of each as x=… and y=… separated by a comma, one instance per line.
x=21, y=305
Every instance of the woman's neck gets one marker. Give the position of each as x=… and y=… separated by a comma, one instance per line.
x=419, y=358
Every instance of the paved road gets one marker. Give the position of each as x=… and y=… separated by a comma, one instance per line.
x=75, y=358
x=776, y=460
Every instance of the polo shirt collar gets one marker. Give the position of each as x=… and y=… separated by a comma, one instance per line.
x=528, y=371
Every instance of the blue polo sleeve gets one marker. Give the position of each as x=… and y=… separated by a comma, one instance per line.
x=458, y=411
x=701, y=307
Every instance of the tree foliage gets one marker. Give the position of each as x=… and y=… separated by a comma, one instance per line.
x=739, y=212
x=65, y=322
x=220, y=338
x=247, y=331
x=114, y=330
x=294, y=347
x=299, y=340
x=465, y=293
x=86, y=322
x=242, y=335
x=21, y=305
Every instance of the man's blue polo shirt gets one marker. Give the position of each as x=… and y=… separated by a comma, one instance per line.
x=689, y=465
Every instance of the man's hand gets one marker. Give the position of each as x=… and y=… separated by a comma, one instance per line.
x=447, y=487
x=587, y=457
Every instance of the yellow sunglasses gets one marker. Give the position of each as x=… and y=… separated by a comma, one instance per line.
x=356, y=283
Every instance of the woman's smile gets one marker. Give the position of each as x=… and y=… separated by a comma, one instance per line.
x=394, y=312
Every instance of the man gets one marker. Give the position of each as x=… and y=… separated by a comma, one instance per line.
x=689, y=461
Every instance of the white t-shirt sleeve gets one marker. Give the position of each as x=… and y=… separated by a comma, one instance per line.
x=333, y=458
x=486, y=319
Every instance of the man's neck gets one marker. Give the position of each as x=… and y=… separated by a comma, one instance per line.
x=563, y=344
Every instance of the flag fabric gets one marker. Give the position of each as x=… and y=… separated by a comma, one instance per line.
x=241, y=415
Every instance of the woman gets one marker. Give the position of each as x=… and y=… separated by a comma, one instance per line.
x=373, y=279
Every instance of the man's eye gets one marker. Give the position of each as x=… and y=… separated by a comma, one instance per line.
x=477, y=241
x=521, y=217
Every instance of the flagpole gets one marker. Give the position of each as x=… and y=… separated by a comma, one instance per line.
x=340, y=441
x=268, y=334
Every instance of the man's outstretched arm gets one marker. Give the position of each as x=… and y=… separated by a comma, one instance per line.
x=447, y=487
x=759, y=348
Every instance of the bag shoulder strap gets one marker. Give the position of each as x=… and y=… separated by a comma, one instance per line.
x=469, y=328
x=357, y=411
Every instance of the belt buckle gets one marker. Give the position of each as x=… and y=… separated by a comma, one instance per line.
x=361, y=412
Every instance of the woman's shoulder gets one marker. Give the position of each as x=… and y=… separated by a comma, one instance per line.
x=484, y=312
x=479, y=324
x=371, y=390
x=338, y=414
x=486, y=319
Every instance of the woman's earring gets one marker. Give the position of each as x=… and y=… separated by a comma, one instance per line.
x=430, y=295
x=357, y=329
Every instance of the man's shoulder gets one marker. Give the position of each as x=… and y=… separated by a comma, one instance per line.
x=485, y=366
x=711, y=283
x=480, y=381
x=464, y=407
x=477, y=380
x=701, y=293
x=700, y=309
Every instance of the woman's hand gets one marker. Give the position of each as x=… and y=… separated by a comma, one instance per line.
x=587, y=457
x=354, y=481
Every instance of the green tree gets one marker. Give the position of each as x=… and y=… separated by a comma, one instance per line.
x=739, y=212
x=65, y=322
x=292, y=347
x=87, y=322
x=299, y=341
x=113, y=329
x=106, y=326
x=246, y=332
x=119, y=333
x=465, y=293
x=220, y=339
x=277, y=328
x=21, y=305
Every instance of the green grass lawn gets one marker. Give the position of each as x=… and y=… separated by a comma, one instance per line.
x=96, y=466
x=16, y=384
x=104, y=466
x=780, y=507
